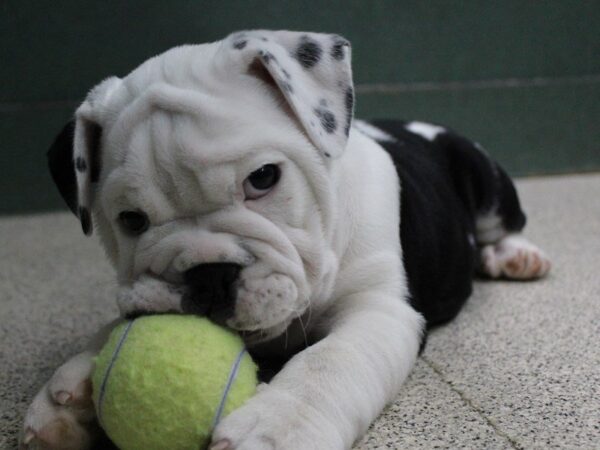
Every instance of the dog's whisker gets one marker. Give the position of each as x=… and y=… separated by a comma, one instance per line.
x=309, y=316
x=303, y=330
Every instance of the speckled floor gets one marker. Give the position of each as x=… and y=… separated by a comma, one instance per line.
x=519, y=368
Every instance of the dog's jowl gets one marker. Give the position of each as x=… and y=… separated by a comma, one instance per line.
x=229, y=180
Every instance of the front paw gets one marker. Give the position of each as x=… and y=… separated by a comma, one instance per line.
x=275, y=420
x=61, y=416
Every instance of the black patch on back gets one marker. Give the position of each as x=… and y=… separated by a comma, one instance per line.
x=308, y=52
x=445, y=184
x=481, y=182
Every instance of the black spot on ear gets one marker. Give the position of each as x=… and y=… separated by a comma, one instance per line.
x=337, y=50
x=80, y=164
x=349, y=102
x=308, y=52
x=267, y=57
x=287, y=87
x=238, y=45
x=86, y=220
x=93, y=138
x=286, y=73
x=62, y=167
x=327, y=119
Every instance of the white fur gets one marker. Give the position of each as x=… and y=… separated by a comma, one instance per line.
x=489, y=227
x=372, y=334
x=180, y=135
x=373, y=132
x=426, y=130
x=514, y=257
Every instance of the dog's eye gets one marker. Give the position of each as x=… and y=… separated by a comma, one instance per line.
x=134, y=222
x=261, y=181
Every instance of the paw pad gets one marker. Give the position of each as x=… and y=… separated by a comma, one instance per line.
x=516, y=258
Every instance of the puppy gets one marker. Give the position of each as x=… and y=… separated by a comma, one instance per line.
x=228, y=180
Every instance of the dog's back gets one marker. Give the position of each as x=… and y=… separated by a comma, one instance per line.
x=449, y=188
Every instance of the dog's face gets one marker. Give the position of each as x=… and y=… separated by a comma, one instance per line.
x=207, y=172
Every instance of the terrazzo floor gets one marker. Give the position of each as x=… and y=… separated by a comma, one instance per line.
x=518, y=369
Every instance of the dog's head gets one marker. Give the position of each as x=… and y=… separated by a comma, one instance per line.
x=207, y=174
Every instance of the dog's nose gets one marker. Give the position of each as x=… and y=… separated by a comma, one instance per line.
x=211, y=290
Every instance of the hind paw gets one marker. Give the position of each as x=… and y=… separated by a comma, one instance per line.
x=514, y=257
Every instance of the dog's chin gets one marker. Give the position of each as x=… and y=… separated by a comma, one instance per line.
x=255, y=337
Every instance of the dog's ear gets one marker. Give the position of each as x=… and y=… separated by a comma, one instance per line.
x=62, y=167
x=313, y=73
x=74, y=158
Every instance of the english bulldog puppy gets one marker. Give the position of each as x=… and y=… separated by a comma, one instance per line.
x=229, y=180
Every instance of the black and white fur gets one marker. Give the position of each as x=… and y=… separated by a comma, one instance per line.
x=373, y=231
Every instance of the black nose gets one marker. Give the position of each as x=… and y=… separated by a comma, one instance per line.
x=211, y=290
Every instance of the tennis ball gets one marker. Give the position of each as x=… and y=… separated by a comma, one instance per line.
x=164, y=381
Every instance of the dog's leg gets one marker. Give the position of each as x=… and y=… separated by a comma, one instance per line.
x=503, y=250
x=328, y=394
x=62, y=415
x=490, y=194
x=513, y=256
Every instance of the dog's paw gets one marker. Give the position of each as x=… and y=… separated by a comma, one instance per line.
x=516, y=258
x=275, y=420
x=61, y=416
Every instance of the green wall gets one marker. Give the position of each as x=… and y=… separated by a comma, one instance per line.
x=520, y=76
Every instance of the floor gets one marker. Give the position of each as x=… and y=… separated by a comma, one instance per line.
x=518, y=369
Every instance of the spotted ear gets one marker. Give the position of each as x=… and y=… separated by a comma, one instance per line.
x=87, y=160
x=74, y=162
x=312, y=71
x=74, y=158
x=62, y=166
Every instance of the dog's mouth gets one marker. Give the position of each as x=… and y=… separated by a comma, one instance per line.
x=251, y=337
x=200, y=295
x=255, y=337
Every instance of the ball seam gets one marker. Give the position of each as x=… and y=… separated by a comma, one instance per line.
x=105, y=378
x=232, y=375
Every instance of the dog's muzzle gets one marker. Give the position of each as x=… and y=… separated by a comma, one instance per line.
x=211, y=290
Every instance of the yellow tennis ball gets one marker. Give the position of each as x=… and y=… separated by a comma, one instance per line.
x=164, y=381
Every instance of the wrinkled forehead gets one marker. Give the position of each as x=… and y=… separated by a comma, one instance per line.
x=177, y=104
x=205, y=130
x=169, y=160
x=182, y=133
